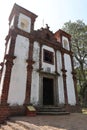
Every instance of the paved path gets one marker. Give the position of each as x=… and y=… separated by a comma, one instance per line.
x=75, y=121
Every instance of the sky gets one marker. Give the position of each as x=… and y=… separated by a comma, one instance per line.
x=52, y=12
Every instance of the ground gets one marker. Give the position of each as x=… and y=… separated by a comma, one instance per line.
x=74, y=121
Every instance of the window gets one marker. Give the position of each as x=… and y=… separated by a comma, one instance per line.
x=48, y=56
x=66, y=44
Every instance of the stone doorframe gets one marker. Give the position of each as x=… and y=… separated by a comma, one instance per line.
x=55, y=87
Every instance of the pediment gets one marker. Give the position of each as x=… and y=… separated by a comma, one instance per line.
x=45, y=34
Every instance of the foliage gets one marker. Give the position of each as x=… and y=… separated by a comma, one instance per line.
x=78, y=31
x=84, y=110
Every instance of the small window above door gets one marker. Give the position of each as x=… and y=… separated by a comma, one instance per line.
x=48, y=56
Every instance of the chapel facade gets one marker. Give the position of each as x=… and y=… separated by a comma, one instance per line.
x=38, y=64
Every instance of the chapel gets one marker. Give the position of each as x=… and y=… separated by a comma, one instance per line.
x=38, y=65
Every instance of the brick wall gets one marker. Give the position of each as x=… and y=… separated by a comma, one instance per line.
x=17, y=110
x=4, y=112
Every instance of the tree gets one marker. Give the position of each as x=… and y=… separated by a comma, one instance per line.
x=78, y=31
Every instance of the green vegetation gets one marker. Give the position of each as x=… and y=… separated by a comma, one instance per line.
x=78, y=31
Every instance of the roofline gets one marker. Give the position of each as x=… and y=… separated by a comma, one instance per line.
x=63, y=32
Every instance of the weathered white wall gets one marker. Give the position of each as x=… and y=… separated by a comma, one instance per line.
x=60, y=79
x=36, y=51
x=69, y=81
x=65, y=42
x=17, y=87
x=27, y=22
x=44, y=64
x=4, y=68
x=35, y=88
x=35, y=75
x=2, y=79
x=12, y=22
x=8, y=45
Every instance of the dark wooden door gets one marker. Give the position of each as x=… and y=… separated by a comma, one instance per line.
x=48, y=92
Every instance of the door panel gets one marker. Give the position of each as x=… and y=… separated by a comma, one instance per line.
x=48, y=92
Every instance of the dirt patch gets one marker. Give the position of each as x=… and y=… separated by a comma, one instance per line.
x=74, y=121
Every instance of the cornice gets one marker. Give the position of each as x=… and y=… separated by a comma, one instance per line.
x=33, y=36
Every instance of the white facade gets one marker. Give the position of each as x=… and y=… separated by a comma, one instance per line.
x=18, y=79
x=46, y=65
x=69, y=81
x=8, y=46
x=2, y=79
x=60, y=78
x=35, y=75
x=35, y=89
x=47, y=77
x=65, y=42
x=17, y=87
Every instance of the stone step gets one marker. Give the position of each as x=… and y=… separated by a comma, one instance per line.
x=56, y=109
x=51, y=110
x=15, y=126
x=53, y=113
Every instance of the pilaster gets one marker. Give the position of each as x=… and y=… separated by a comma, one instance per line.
x=40, y=57
x=74, y=80
x=64, y=79
x=5, y=90
x=29, y=72
x=8, y=63
x=56, y=61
